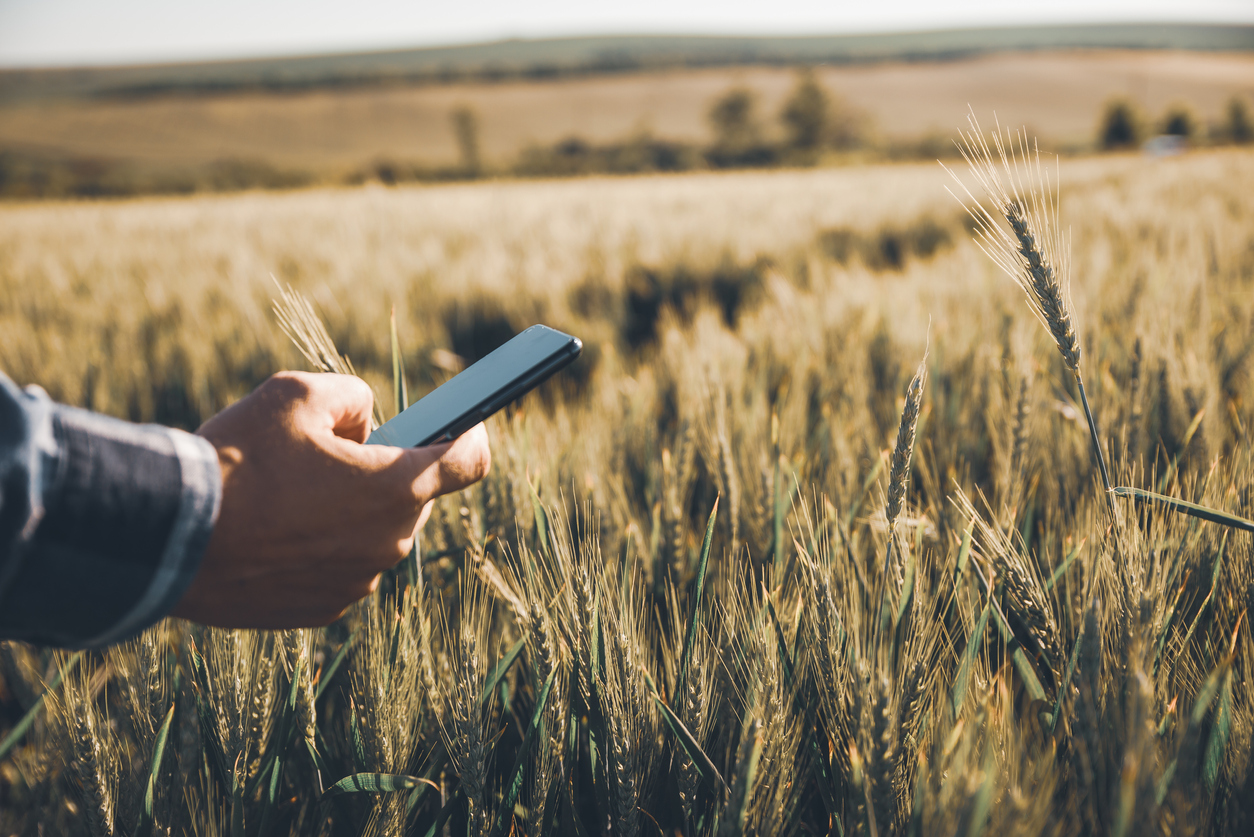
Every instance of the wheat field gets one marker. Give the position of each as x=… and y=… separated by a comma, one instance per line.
x=812, y=540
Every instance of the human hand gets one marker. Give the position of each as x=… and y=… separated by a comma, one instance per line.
x=310, y=516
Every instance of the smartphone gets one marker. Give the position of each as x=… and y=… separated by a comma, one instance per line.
x=503, y=375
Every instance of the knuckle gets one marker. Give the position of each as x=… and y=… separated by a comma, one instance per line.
x=289, y=385
x=360, y=388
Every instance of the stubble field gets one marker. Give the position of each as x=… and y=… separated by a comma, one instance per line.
x=673, y=604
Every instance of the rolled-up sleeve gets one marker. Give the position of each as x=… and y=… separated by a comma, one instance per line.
x=102, y=522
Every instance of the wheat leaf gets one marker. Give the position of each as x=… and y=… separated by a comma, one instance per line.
x=698, y=587
x=784, y=655
x=963, y=677
x=499, y=670
x=144, y=826
x=445, y=812
x=1185, y=507
x=506, y=809
x=329, y=672
x=372, y=783
x=698, y=757
x=399, y=393
x=1216, y=746
x=1063, y=567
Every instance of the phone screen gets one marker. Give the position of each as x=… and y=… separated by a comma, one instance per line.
x=486, y=386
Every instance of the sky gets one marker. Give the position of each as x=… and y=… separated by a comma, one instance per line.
x=86, y=32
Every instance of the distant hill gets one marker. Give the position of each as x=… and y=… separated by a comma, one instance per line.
x=595, y=55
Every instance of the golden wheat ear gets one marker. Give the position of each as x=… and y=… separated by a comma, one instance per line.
x=1030, y=246
x=302, y=325
x=1017, y=226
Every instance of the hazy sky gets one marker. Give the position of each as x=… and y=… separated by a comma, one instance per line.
x=59, y=32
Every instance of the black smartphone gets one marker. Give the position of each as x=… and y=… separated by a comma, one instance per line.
x=501, y=376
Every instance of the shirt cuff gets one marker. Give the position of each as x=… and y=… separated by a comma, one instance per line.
x=199, y=502
x=124, y=516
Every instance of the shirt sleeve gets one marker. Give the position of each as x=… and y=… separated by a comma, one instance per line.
x=102, y=522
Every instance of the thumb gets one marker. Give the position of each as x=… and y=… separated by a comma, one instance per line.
x=445, y=468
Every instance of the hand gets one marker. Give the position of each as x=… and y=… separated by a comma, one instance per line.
x=311, y=516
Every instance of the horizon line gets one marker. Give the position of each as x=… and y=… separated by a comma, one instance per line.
x=298, y=53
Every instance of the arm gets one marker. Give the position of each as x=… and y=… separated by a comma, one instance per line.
x=274, y=515
x=102, y=522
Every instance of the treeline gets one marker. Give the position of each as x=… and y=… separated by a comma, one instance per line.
x=1125, y=124
x=812, y=127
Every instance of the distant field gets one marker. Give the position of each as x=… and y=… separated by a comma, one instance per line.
x=329, y=131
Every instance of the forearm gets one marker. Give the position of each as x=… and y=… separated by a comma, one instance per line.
x=102, y=522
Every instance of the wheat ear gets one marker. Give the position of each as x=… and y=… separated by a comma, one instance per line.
x=899, y=474
x=1034, y=251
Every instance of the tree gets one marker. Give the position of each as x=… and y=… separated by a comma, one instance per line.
x=466, y=129
x=1120, y=126
x=806, y=114
x=737, y=135
x=1178, y=122
x=1239, y=127
x=732, y=118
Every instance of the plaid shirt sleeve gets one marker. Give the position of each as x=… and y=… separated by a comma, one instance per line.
x=102, y=522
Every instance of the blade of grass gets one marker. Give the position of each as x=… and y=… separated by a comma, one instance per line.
x=738, y=803
x=237, y=798
x=1064, y=566
x=1216, y=746
x=399, y=392
x=874, y=475
x=499, y=670
x=328, y=673
x=1022, y=663
x=354, y=728
x=1065, y=686
x=907, y=583
x=1216, y=568
x=506, y=810
x=698, y=586
x=205, y=714
x=698, y=757
x=1172, y=467
x=1206, y=694
x=15, y=735
x=286, y=732
x=542, y=520
x=426, y=782
x=963, y=678
x=1185, y=507
x=445, y=813
x=393, y=650
x=144, y=826
x=373, y=783
x=777, y=503
x=964, y=553
x=984, y=796
x=1166, y=627
x=784, y=655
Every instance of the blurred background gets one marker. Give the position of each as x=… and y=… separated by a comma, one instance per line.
x=142, y=97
